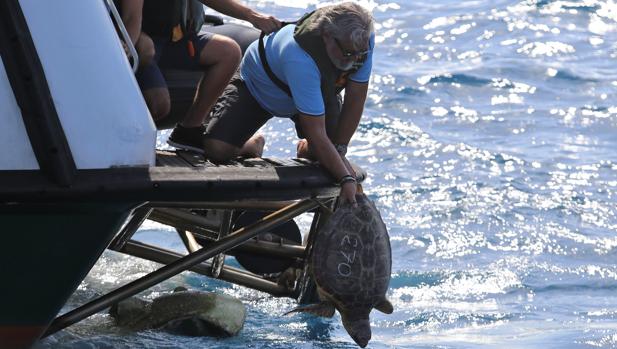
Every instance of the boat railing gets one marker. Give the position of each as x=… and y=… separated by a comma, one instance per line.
x=124, y=34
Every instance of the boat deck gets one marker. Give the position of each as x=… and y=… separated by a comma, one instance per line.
x=179, y=176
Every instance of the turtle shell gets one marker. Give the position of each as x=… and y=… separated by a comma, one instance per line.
x=351, y=260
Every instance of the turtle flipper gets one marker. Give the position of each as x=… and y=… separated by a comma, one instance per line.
x=385, y=306
x=323, y=309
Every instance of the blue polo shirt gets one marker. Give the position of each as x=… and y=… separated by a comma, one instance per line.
x=295, y=67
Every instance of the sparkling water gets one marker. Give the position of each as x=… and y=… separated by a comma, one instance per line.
x=490, y=137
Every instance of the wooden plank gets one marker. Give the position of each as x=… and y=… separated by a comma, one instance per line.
x=289, y=162
x=303, y=161
x=170, y=159
x=282, y=162
x=256, y=162
x=182, y=158
x=178, y=180
x=193, y=158
x=171, y=184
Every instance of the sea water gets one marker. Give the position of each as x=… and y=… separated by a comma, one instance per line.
x=490, y=138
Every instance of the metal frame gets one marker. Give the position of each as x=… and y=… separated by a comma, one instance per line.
x=218, y=262
x=137, y=219
x=196, y=260
x=229, y=274
x=306, y=290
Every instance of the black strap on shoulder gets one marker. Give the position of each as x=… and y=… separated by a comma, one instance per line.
x=264, y=62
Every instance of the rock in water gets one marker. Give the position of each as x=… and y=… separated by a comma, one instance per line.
x=131, y=313
x=189, y=313
x=351, y=264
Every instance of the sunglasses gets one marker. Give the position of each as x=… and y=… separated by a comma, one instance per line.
x=350, y=54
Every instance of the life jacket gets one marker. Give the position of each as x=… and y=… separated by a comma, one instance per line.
x=172, y=18
x=333, y=80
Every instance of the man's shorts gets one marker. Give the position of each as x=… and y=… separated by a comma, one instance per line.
x=183, y=54
x=236, y=116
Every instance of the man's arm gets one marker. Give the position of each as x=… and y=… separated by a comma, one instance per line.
x=353, y=107
x=314, y=128
x=131, y=17
x=234, y=9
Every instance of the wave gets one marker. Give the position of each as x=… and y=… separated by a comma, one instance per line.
x=463, y=79
x=443, y=319
x=410, y=91
x=570, y=76
x=414, y=278
x=565, y=6
x=574, y=287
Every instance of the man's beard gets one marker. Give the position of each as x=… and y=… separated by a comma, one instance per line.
x=343, y=64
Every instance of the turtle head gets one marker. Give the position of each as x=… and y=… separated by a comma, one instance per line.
x=358, y=328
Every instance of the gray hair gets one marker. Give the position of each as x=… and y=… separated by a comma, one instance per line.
x=345, y=21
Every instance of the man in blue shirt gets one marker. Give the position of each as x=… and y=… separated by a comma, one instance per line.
x=298, y=74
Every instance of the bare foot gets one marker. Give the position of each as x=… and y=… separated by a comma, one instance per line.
x=302, y=150
x=254, y=147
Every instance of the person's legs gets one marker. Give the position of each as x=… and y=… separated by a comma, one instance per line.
x=235, y=119
x=254, y=147
x=303, y=150
x=158, y=102
x=220, y=58
x=150, y=78
x=220, y=151
x=154, y=89
x=145, y=49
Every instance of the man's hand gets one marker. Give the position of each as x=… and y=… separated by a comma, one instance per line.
x=265, y=23
x=233, y=8
x=348, y=193
x=351, y=113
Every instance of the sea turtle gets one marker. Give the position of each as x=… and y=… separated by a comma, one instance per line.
x=351, y=263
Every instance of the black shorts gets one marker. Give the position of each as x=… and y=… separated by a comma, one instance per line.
x=236, y=116
x=183, y=54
